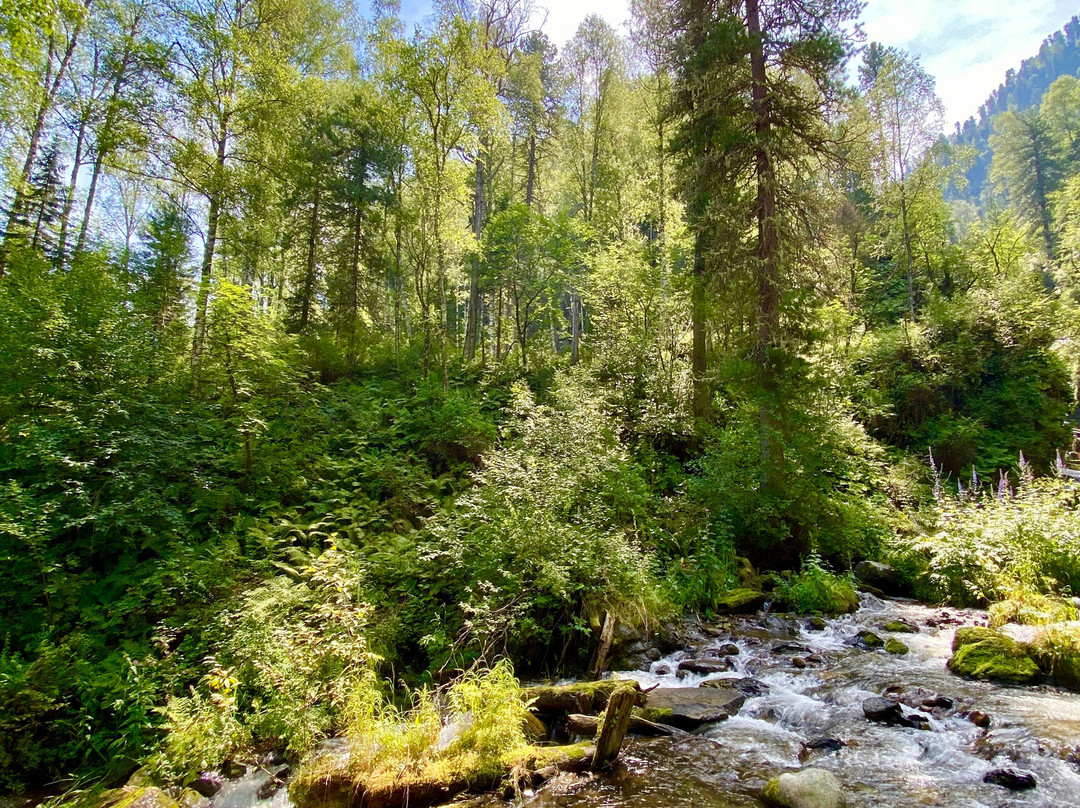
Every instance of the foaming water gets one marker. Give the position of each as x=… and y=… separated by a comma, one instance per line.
x=727, y=764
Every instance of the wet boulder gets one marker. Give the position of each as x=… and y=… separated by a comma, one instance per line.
x=690, y=707
x=894, y=646
x=875, y=575
x=809, y=788
x=815, y=624
x=900, y=626
x=704, y=666
x=982, y=653
x=867, y=640
x=747, y=685
x=883, y=711
x=207, y=783
x=1012, y=779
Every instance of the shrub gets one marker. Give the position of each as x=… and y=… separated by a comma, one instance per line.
x=815, y=590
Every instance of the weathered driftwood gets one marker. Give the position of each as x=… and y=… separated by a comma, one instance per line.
x=616, y=721
x=587, y=725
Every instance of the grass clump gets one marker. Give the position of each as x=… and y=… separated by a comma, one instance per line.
x=1031, y=609
x=815, y=590
x=1057, y=651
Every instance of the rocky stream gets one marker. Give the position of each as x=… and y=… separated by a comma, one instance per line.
x=776, y=694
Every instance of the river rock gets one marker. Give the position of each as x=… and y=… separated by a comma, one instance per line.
x=690, y=707
x=880, y=576
x=704, y=666
x=1012, y=779
x=789, y=648
x=274, y=784
x=809, y=788
x=886, y=711
x=207, y=783
x=739, y=601
x=798, y=662
x=900, y=626
x=747, y=685
x=982, y=653
x=980, y=719
x=231, y=770
x=867, y=640
x=134, y=797
x=894, y=646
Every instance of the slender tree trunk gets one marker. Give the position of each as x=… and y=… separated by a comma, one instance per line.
x=206, y=269
x=530, y=182
x=767, y=264
x=312, y=254
x=698, y=357
x=478, y=218
x=69, y=200
x=354, y=286
x=440, y=263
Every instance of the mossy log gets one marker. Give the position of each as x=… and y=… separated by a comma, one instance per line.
x=589, y=698
x=335, y=783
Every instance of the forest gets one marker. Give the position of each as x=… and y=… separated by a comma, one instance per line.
x=352, y=368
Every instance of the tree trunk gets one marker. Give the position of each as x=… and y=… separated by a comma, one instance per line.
x=575, y=327
x=530, y=182
x=768, y=258
x=308, y=292
x=478, y=218
x=701, y=404
x=207, y=268
x=69, y=200
x=613, y=728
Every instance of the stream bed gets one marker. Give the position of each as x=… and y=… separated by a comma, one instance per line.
x=1033, y=729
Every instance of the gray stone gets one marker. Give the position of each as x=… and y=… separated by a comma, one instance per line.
x=880, y=576
x=809, y=788
x=690, y=707
x=705, y=666
x=747, y=685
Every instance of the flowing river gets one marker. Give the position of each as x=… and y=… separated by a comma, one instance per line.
x=1033, y=729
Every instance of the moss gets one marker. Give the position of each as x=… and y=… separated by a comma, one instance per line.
x=578, y=697
x=895, y=647
x=900, y=627
x=336, y=782
x=739, y=601
x=1029, y=609
x=966, y=635
x=981, y=653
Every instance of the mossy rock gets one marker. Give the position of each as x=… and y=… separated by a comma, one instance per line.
x=982, y=653
x=130, y=797
x=739, y=601
x=894, y=646
x=808, y=788
x=900, y=627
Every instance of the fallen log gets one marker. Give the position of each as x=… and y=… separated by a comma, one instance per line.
x=614, y=724
x=589, y=698
x=587, y=725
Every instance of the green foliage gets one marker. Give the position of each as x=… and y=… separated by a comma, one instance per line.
x=815, y=590
x=831, y=491
x=976, y=382
x=555, y=523
x=986, y=547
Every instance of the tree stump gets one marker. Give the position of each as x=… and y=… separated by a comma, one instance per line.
x=616, y=722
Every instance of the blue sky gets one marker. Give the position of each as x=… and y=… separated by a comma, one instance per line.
x=967, y=45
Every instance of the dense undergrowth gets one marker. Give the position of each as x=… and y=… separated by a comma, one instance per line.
x=253, y=555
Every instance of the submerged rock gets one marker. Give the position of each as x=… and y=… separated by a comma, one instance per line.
x=825, y=745
x=809, y=788
x=207, y=783
x=690, y=707
x=982, y=653
x=1012, y=779
x=815, y=624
